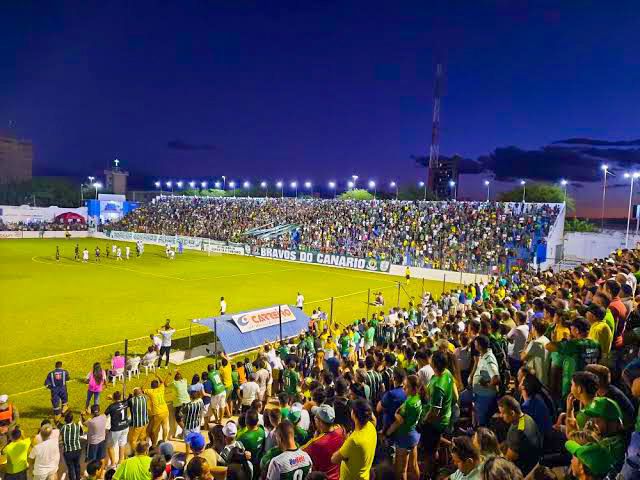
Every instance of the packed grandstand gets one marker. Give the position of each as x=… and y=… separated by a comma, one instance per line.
x=527, y=373
x=459, y=236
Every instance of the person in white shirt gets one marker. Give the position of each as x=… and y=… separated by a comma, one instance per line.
x=223, y=306
x=535, y=355
x=127, y=252
x=85, y=255
x=300, y=301
x=249, y=391
x=119, y=254
x=45, y=456
x=262, y=379
x=517, y=338
x=425, y=370
x=166, y=333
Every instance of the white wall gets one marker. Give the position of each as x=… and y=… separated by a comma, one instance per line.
x=438, y=275
x=555, y=240
x=587, y=246
x=26, y=213
x=48, y=234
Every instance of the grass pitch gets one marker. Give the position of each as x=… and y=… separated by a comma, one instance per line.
x=80, y=313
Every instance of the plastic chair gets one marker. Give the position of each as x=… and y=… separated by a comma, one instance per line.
x=149, y=367
x=118, y=374
x=134, y=369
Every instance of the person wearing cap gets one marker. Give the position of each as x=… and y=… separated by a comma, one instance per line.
x=301, y=435
x=606, y=389
x=196, y=447
x=136, y=467
x=589, y=462
x=356, y=454
x=329, y=438
x=8, y=419
x=606, y=415
x=230, y=431
x=576, y=352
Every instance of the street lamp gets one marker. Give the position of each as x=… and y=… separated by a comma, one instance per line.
x=309, y=186
x=280, y=185
x=350, y=184
x=605, y=169
x=423, y=185
x=452, y=184
x=224, y=182
x=355, y=180
x=295, y=186
x=97, y=186
x=179, y=184
x=524, y=190
x=372, y=184
x=486, y=184
x=564, y=183
x=632, y=177
x=203, y=184
x=332, y=186
x=246, y=186
x=264, y=186
x=232, y=184
x=170, y=185
x=192, y=184
x=394, y=185
x=217, y=185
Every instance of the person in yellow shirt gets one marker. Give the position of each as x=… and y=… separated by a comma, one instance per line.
x=355, y=457
x=600, y=331
x=16, y=453
x=158, y=410
x=227, y=379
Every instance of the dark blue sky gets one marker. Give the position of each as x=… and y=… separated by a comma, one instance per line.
x=290, y=90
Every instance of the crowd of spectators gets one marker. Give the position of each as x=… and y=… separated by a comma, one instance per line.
x=39, y=226
x=534, y=374
x=460, y=236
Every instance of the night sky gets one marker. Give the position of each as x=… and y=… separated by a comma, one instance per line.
x=322, y=90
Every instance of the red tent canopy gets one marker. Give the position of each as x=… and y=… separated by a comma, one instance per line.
x=69, y=217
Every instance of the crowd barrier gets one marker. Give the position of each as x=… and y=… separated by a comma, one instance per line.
x=12, y=234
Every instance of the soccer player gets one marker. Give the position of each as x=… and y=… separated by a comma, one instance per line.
x=85, y=255
x=300, y=301
x=57, y=253
x=223, y=306
x=127, y=252
x=97, y=253
x=407, y=274
x=76, y=255
x=119, y=254
x=56, y=382
x=107, y=250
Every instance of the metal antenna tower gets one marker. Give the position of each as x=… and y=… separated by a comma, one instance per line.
x=434, y=153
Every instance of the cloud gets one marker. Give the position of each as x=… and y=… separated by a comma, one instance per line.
x=189, y=147
x=599, y=143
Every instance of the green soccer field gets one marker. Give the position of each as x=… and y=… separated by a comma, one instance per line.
x=80, y=313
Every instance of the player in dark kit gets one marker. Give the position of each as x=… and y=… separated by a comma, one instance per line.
x=97, y=253
x=76, y=255
x=107, y=250
x=56, y=382
x=57, y=253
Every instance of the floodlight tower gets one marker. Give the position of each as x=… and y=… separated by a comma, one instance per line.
x=434, y=153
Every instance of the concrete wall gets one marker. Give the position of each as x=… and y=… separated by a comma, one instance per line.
x=438, y=275
x=4, y=235
x=587, y=246
x=555, y=241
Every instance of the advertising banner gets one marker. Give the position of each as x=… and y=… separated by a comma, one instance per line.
x=193, y=243
x=343, y=261
x=10, y=234
x=265, y=317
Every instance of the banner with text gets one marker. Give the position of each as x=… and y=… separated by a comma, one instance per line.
x=193, y=243
x=343, y=261
x=265, y=317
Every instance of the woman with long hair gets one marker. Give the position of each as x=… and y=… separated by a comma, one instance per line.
x=97, y=379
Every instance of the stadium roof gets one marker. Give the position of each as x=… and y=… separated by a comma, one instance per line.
x=234, y=341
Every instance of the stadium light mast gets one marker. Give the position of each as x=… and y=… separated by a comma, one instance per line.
x=453, y=185
x=487, y=184
x=564, y=184
x=372, y=184
x=179, y=184
x=421, y=184
x=224, y=182
x=232, y=185
x=394, y=185
x=280, y=185
x=354, y=178
x=158, y=185
x=294, y=185
x=350, y=184
x=524, y=191
x=169, y=184
x=605, y=169
x=332, y=186
x=217, y=185
x=266, y=190
x=632, y=177
x=192, y=184
x=246, y=186
x=203, y=184
x=309, y=186
x=97, y=186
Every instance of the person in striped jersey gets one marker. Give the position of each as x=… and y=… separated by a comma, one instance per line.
x=138, y=418
x=191, y=415
x=373, y=379
x=70, y=437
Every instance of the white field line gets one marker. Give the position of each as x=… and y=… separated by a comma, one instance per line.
x=242, y=274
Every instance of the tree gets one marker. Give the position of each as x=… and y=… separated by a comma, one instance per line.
x=538, y=193
x=578, y=225
x=415, y=192
x=43, y=192
x=356, y=194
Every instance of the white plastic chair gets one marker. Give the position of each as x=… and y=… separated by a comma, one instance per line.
x=134, y=369
x=149, y=367
x=118, y=375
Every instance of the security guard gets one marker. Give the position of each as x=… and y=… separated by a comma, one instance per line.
x=56, y=381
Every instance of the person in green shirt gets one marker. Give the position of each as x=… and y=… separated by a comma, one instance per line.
x=136, y=467
x=291, y=379
x=576, y=352
x=253, y=437
x=344, y=344
x=369, y=336
x=16, y=453
x=403, y=431
x=218, y=398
